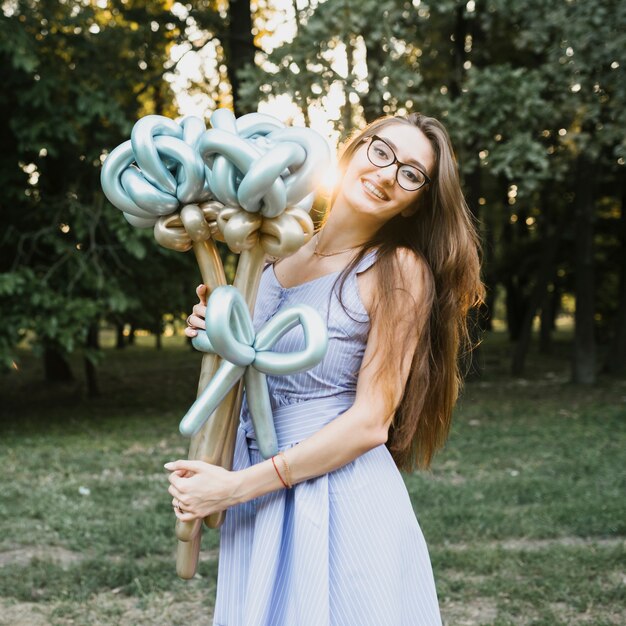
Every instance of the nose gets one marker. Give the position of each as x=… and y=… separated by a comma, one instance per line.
x=387, y=174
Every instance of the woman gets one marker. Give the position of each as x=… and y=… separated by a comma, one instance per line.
x=325, y=533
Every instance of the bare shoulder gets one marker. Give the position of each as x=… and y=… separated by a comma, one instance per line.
x=412, y=277
x=414, y=271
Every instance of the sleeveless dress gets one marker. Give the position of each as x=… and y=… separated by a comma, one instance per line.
x=342, y=549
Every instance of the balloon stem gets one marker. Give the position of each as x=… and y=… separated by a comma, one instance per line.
x=187, y=553
x=210, y=264
x=248, y=275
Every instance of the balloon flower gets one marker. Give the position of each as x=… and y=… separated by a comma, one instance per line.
x=250, y=183
x=230, y=334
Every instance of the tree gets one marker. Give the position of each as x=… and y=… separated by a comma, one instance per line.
x=532, y=96
x=76, y=78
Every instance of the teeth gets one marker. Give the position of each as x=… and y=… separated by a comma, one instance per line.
x=373, y=189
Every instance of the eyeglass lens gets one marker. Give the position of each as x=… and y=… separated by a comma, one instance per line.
x=408, y=177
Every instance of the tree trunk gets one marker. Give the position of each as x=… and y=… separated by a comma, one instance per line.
x=489, y=275
x=56, y=367
x=131, y=335
x=373, y=101
x=515, y=282
x=91, y=374
x=120, y=340
x=158, y=339
x=538, y=295
x=459, y=54
x=347, y=110
x=240, y=47
x=474, y=364
x=616, y=357
x=513, y=297
x=584, y=357
x=548, y=310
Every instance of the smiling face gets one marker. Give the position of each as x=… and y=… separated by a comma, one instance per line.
x=374, y=192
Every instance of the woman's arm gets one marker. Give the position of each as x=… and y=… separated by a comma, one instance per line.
x=362, y=427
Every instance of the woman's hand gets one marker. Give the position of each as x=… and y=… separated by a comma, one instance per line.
x=200, y=489
x=196, y=319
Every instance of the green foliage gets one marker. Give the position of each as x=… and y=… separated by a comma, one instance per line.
x=77, y=75
x=524, y=88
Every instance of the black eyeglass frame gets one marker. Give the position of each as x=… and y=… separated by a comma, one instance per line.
x=371, y=139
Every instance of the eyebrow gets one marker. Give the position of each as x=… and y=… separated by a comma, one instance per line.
x=415, y=161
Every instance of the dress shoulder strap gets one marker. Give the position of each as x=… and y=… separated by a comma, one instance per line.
x=366, y=262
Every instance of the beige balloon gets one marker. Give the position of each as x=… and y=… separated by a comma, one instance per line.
x=195, y=227
x=188, y=553
x=253, y=236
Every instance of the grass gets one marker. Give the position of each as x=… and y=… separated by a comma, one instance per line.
x=523, y=511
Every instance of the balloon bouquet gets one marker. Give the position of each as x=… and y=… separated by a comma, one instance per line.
x=248, y=182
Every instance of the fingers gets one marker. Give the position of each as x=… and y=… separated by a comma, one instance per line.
x=199, y=310
x=178, y=504
x=180, y=489
x=174, y=492
x=201, y=292
x=180, y=511
x=184, y=516
x=197, y=317
x=186, y=465
x=196, y=320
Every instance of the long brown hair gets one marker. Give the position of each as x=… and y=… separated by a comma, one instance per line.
x=441, y=232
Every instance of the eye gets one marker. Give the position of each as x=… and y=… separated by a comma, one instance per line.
x=380, y=151
x=412, y=175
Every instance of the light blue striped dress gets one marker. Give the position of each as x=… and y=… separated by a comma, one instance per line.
x=343, y=549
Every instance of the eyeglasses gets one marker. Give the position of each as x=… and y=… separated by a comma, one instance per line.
x=381, y=154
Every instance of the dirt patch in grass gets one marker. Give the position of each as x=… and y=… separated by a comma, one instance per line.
x=475, y=612
x=172, y=444
x=192, y=610
x=56, y=554
x=104, y=609
x=464, y=577
x=529, y=545
x=542, y=544
x=483, y=611
x=593, y=615
x=23, y=613
x=448, y=478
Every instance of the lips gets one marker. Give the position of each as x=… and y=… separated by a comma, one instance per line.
x=373, y=189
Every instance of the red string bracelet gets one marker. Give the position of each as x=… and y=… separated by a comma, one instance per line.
x=279, y=476
x=287, y=470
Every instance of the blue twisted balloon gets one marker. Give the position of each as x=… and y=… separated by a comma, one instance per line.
x=157, y=171
x=259, y=164
x=230, y=334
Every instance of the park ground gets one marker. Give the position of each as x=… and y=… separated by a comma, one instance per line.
x=523, y=511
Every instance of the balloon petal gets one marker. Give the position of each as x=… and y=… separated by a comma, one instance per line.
x=230, y=334
x=140, y=222
x=202, y=343
x=146, y=196
x=142, y=138
x=158, y=170
x=281, y=363
x=229, y=326
x=258, y=399
x=217, y=389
